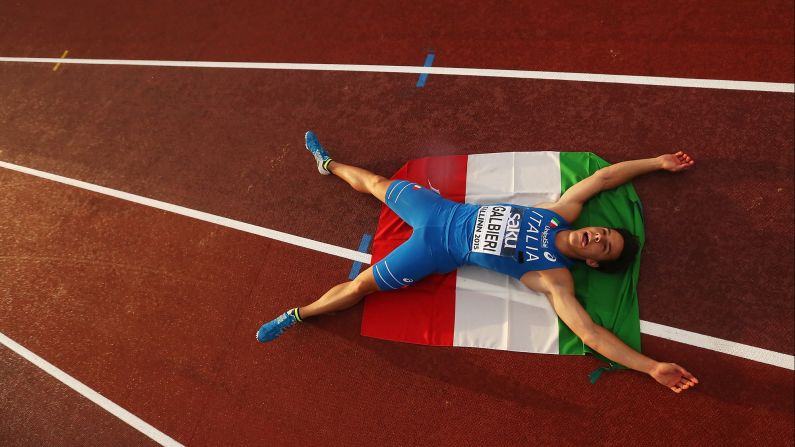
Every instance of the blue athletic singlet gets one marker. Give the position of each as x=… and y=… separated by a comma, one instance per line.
x=510, y=239
x=506, y=238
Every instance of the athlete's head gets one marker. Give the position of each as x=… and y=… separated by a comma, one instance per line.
x=606, y=249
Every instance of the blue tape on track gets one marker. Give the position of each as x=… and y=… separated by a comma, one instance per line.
x=424, y=76
x=363, y=246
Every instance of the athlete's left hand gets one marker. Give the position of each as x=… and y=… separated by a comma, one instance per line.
x=676, y=162
x=673, y=376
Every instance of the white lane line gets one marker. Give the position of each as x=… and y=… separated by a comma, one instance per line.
x=654, y=329
x=206, y=217
x=492, y=73
x=717, y=344
x=112, y=408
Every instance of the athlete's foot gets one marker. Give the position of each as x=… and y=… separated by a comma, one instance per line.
x=272, y=330
x=321, y=156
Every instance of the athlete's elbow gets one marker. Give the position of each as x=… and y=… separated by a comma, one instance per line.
x=589, y=334
x=604, y=174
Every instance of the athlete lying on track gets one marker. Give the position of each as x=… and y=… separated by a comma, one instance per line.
x=447, y=235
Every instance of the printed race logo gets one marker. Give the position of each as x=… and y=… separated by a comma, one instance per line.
x=497, y=230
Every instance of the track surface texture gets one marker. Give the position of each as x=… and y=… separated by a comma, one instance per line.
x=157, y=312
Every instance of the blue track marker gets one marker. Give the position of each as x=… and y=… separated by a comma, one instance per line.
x=424, y=76
x=363, y=246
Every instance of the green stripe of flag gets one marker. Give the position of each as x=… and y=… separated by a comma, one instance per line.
x=610, y=299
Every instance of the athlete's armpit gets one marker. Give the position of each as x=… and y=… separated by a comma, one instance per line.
x=567, y=210
x=532, y=280
x=586, y=188
x=544, y=281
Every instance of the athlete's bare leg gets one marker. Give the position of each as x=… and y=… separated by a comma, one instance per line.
x=342, y=296
x=339, y=297
x=361, y=180
x=345, y=295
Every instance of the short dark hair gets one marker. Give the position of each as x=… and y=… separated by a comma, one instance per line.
x=627, y=256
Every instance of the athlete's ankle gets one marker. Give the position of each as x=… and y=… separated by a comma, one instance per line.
x=296, y=312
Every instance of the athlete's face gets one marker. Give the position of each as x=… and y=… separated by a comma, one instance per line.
x=596, y=243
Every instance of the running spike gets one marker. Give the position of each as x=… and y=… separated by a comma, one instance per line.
x=320, y=154
x=272, y=330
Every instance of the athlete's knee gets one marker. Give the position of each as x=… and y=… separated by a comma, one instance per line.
x=377, y=182
x=361, y=287
x=364, y=284
x=357, y=290
x=379, y=186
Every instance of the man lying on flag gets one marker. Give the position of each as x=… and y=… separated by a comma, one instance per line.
x=532, y=244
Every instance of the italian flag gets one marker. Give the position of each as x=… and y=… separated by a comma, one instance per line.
x=474, y=307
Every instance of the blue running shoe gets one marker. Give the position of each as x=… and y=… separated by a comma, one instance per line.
x=317, y=150
x=272, y=330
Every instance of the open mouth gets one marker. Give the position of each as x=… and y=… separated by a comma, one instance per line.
x=585, y=239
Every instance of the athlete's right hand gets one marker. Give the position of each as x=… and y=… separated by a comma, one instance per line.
x=675, y=162
x=673, y=376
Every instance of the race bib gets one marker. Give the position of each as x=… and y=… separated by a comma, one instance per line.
x=497, y=230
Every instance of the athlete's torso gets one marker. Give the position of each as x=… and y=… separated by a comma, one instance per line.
x=507, y=238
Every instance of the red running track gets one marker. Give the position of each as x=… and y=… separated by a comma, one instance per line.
x=714, y=39
x=170, y=338
x=157, y=312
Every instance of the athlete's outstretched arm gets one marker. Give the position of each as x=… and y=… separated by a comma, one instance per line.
x=559, y=288
x=571, y=202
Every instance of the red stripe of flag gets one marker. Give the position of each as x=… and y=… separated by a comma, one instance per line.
x=425, y=312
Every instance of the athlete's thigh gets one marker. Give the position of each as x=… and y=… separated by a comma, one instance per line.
x=404, y=266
